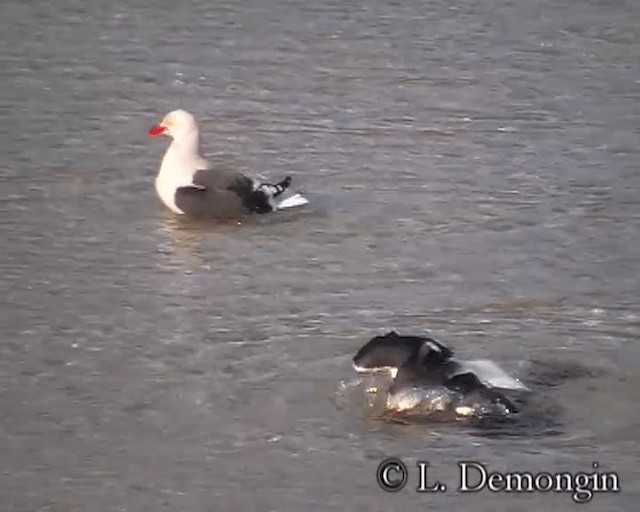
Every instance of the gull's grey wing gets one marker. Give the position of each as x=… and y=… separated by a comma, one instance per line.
x=209, y=203
x=223, y=179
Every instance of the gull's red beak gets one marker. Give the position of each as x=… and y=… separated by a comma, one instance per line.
x=157, y=130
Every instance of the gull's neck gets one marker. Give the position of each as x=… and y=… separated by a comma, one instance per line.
x=179, y=164
x=182, y=158
x=186, y=145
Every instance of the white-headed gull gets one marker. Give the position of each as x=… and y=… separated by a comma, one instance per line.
x=188, y=185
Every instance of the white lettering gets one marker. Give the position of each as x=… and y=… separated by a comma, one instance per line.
x=464, y=477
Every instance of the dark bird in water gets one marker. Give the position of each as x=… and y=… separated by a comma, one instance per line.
x=427, y=377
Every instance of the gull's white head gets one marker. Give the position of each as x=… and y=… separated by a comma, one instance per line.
x=177, y=124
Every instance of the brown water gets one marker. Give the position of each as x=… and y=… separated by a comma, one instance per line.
x=473, y=172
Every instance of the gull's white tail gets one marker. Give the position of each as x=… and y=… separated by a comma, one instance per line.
x=292, y=201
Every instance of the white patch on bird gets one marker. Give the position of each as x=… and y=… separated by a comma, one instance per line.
x=491, y=374
x=166, y=189
x=433, y=346
x=181, y=160
x=293, y=201
x=176, y=171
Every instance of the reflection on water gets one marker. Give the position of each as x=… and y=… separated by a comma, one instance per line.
x=181, y=242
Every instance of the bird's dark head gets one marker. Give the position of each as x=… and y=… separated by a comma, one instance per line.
x=392, y=351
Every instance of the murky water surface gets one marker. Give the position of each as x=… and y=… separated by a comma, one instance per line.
x=473, y=169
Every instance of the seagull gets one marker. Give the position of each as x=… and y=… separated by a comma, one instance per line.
x=188, y=185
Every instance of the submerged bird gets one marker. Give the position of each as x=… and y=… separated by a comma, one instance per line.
x=427, y=378
x=187, y=184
